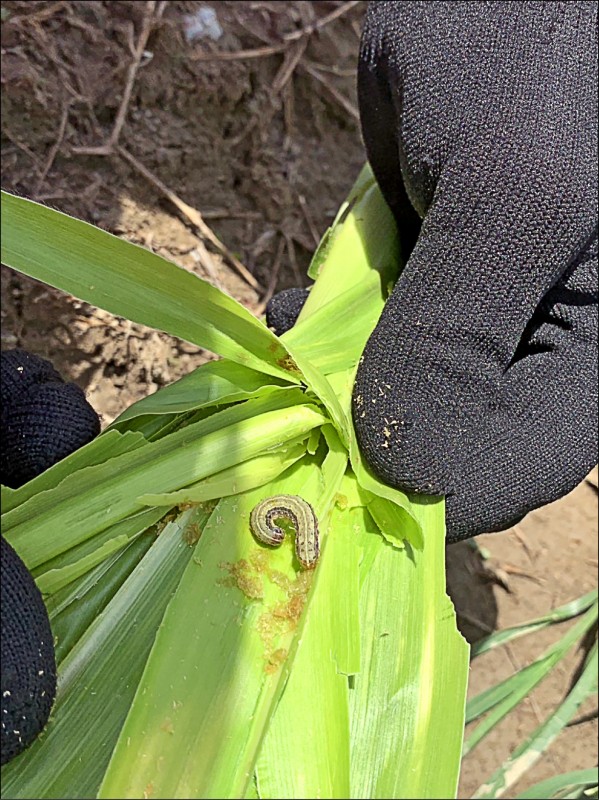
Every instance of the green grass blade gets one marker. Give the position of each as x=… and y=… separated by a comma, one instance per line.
x=58, y=573
x=552, y=787
x=502, y=698
x=565, y=612
x=132, y=282
x=533, y=748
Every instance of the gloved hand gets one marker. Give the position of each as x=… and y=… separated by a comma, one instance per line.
x=480, y=380
x=43, y=419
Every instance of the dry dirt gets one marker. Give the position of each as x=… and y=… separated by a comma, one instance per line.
x=265, y=145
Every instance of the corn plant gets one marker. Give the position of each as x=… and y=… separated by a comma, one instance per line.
x=194, y=660
x=494, y=704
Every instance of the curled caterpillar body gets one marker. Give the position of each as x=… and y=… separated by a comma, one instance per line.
x=301, y=515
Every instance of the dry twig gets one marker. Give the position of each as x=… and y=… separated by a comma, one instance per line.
x=153, y=13
x=346, y=104
x=230, y=213
x=308, y=30
x=192, y=215
x=239, y=55
x=592, y=715
x=288, y=114
x=522, y=539
x=203, y=257
x=511, y=569
x=290, y=62
x=308, y=218
x=274, y=276
x=23, y=147
x=339, y=72
x=53, y=150
x=40, y=14
x=294, y=266
x=312, y=70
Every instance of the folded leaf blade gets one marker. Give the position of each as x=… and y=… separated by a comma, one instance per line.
x=135, y=283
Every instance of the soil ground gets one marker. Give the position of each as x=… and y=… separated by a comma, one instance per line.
x=265, y=145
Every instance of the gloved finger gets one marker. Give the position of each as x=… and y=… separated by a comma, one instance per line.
x=540, y=438
x=284, y=308
x=28, y=666
x=43, y=418
x=379, y=120
x=493, y=242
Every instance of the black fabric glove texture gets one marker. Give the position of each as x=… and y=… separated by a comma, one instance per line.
x=284, y=308
x=28, y=667
x=43, y=420
x=480, y=379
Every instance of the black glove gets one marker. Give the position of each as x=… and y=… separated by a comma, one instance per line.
x=43, y=420
x=480, y=379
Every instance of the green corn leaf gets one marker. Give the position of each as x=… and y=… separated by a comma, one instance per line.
x=212, y=706
x=102, y=495
x=61, y=571
x=363, y=241
x=312, y=740
x=408, y=699
x=331, y=347
x=250, y=677
x=129, y=528
x=322, y=389
x=250, y=474
x=53, y=580
x=133, y=282
x=98, y=680
x=398, y=516
x=321, y=257
x=109, y=445
x=216, y=383
x=73, y=609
